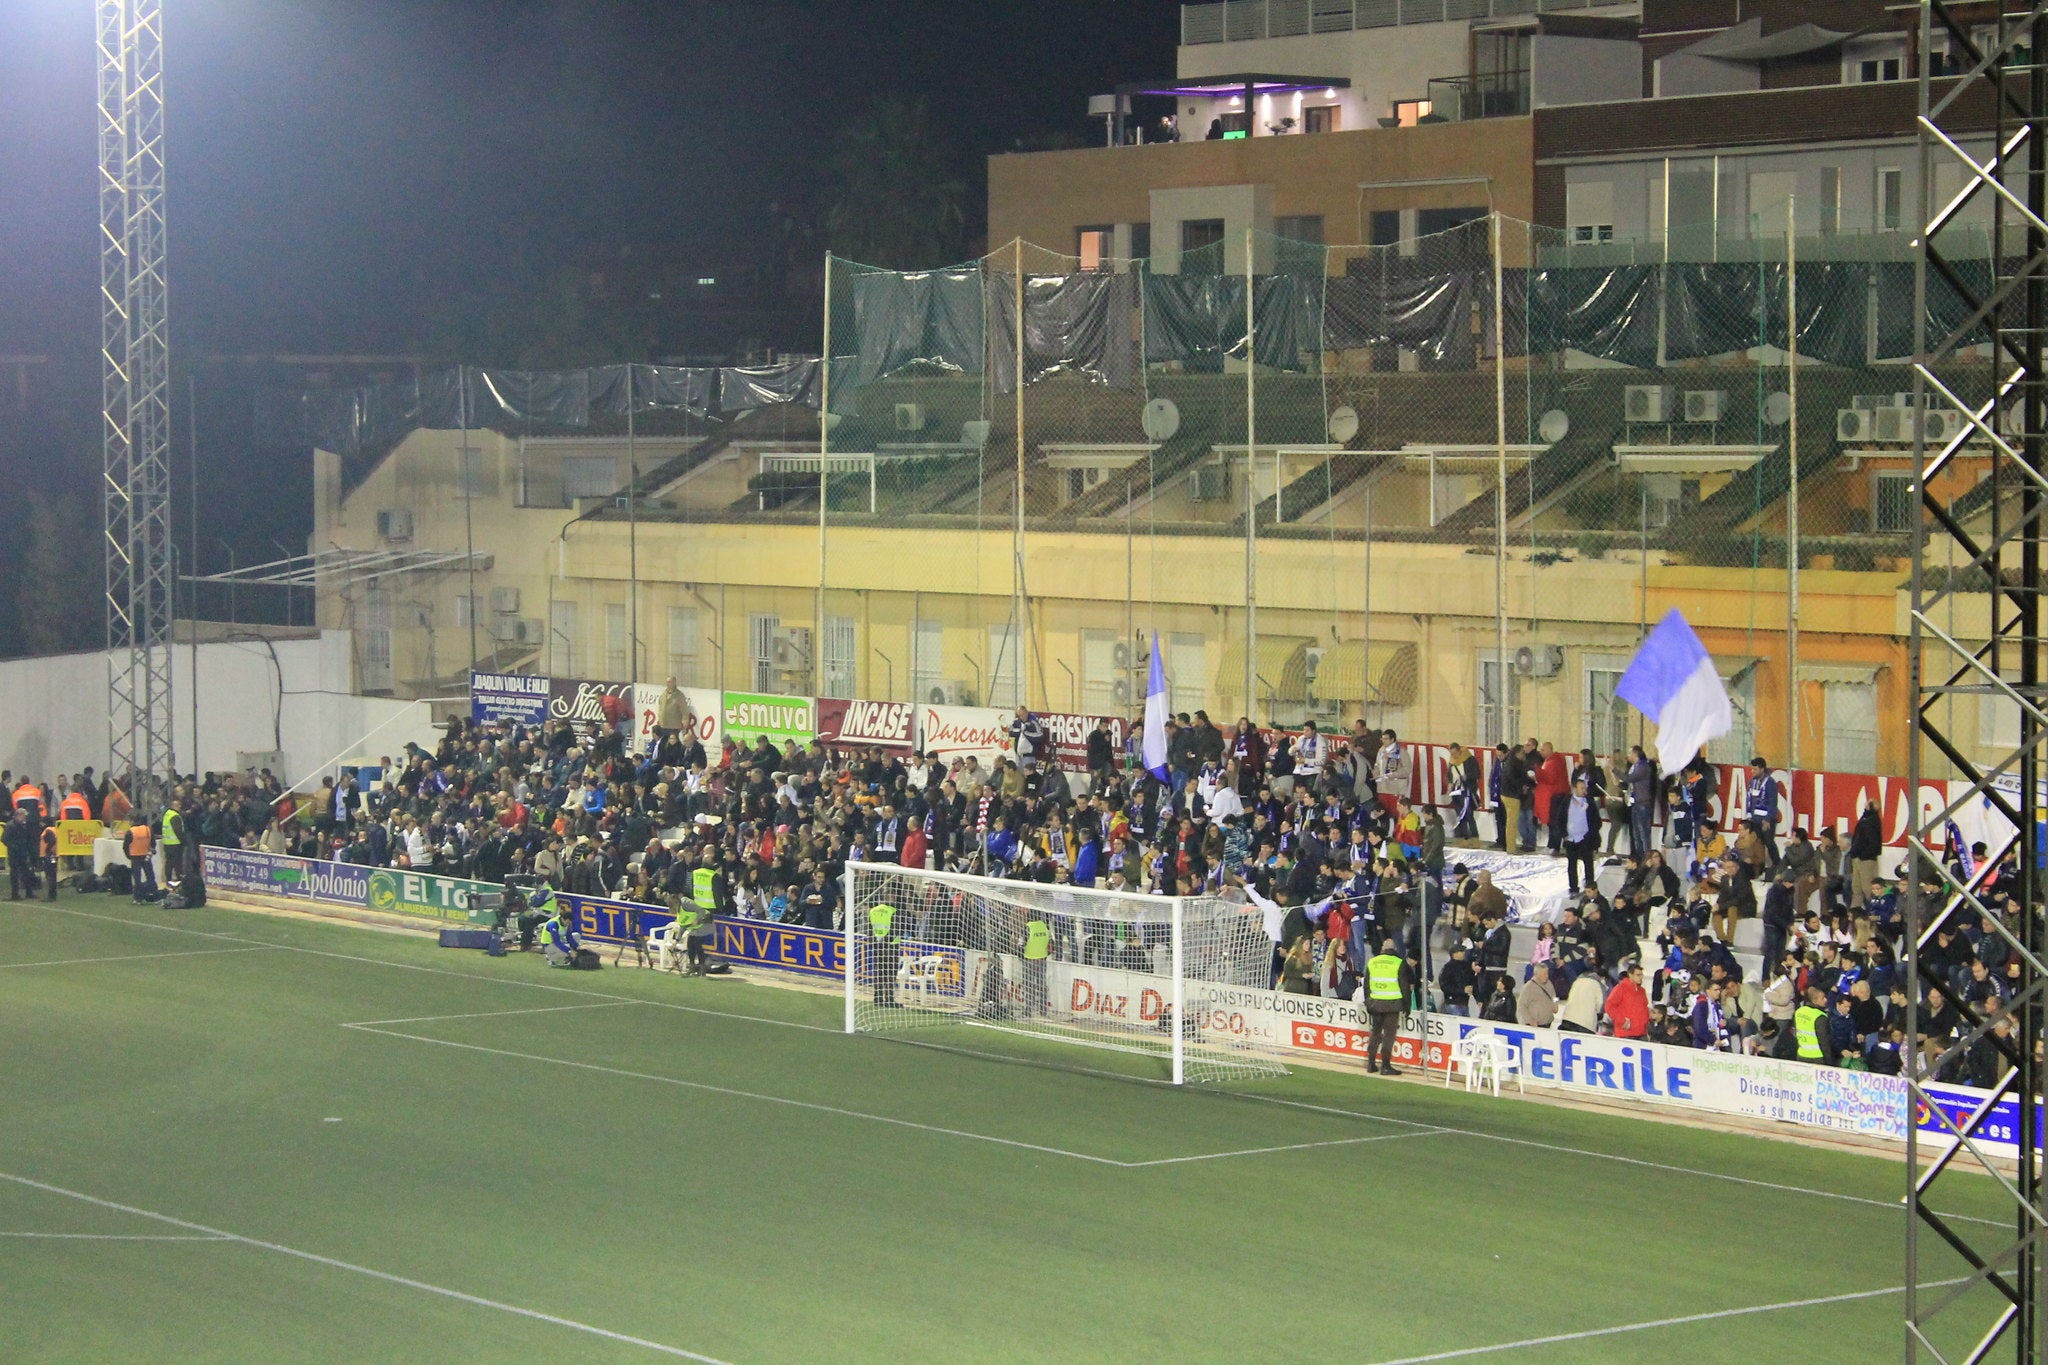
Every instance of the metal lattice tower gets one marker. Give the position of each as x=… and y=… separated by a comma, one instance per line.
x=1974, y=1291
x=135, y=387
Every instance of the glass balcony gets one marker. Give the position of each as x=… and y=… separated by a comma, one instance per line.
x=1491, y=94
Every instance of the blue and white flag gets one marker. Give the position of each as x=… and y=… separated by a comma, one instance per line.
x=1673, y=682
x=1959, y=850
x=1155, y=716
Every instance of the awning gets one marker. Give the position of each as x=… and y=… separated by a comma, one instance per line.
x=1746, y=43
x=1382, y=671
x=1862, y=674
x=1282, y=669
x=1733, y=667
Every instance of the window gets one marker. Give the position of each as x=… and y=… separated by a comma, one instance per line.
x=1892, y=503
x=1300, y=227
x=616, y=664
x=761, y=633
x=1609, y=722
x=841, y=655
x=1099, y=673
x=376, y=652
x=1320, y=118
x=1500, y=712
x=466, y=612
x=1200, y=234
x=589, y=476
x=1079, y=481
x=1428, y=221
x=1830, y=200
x=1890, y=199
x=1586, y=234
x=927, y=659
x=683, y=641
x=1386, y=227
x=1851, y=734
x=1187, y=672
x=1235, y=126
x=1408, y=113
x=1005, y=667
x=562, y=639
x=1739, y=744
x=1449, y=492
x=1095, y=245
x=1874, y=59
x=1141, y=241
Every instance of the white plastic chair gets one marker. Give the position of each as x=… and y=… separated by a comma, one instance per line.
x=1491, y=1057
x=667, y=949
x=925, y=975
x=1469, y=1055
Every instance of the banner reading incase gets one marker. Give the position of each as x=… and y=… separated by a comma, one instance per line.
x=882, y=724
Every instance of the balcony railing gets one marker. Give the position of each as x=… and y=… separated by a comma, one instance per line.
x=1493, y=94
x=1234, y=21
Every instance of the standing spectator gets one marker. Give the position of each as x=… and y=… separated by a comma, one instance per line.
x=1536, y=1002
x=1311, y=754
x=1581, y=1012
x=1866, y=845
x=1511, y=780
x=20, y=841
x=1396, y=770
x=1464, y=792
x=1581, y=831
x=1553, y=786
x=1101, y=756
x=1617, y=798
x=1027, y=737
x=1760, y=805
x=1457, y=982
x=1628, y=1004
x=1642, y=800
x=1709, y=1023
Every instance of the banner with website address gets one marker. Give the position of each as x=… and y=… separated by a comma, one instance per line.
x=275, y=874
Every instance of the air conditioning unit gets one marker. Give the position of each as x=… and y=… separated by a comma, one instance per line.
x=505, y=601
x=1121, y=690
x=1539, y=661
x=950, y=693
x=1315, y=662
x=1905, y=400
x=1705, y=405
x=1211, y=483
x=1892, y=424
x=1647, y=403
x=1942, y=425
x=793, y=648
x=909, y=417
x=1852, y=424
x=518, y=630
x=1865, y=402
x=1120, y=656
x=395, y=524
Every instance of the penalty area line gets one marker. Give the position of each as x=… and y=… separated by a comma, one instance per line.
x=129, y=957
x=1466, y=1352
x=476, y=1300
x=1289, y=1147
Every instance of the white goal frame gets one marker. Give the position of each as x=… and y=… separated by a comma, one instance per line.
x=1193, y=1057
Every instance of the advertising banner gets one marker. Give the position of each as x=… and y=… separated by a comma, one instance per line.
x=74, y=837
x=955, y=732
x=1067, y=735
x=271, y=874
x=782, y=719
x=398, y=891
x=882, y=724
x=707, y=716
x=744, y=942
x=581, y=701
x=508, y=698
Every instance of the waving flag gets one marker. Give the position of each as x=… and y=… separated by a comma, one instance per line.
x=1959, y=849
x=1672, y=681
x=1155, y=715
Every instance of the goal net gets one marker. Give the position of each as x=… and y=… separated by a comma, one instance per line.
x=1142, y=974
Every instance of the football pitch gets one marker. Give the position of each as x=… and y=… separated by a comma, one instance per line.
x=227, y=1136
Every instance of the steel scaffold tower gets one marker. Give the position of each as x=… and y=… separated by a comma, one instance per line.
x=1973, y=1292
x=135, y=387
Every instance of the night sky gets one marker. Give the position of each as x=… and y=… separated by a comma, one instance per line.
x=339, y=170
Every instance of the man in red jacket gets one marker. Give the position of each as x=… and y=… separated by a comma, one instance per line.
x=1628, y=1005
x=1553, y=783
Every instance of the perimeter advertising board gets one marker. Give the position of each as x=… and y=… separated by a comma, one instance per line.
x=508, y=698
x=784, y=720
x=876, y=724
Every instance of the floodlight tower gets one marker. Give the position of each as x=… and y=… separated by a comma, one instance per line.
x=1974, y=1292
x=135, y=388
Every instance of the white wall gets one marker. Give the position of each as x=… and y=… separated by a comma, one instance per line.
x=55, y=719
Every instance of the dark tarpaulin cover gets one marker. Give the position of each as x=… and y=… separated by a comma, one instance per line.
x=1073, y=324
x=1198, y=319
x=557, y=398
x=1387, y=302
x=1946, y=310
x=744, y=387
x=931, y=316
x=656, y=388
x=1606, y=312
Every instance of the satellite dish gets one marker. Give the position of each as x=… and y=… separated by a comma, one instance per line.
x=1162, y=419
x=1552, y=426
x=1343, y=424
x=1778, y=409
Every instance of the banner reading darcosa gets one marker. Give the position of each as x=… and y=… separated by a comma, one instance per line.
x=955, y=732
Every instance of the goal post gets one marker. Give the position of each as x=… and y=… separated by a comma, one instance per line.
x=1081, y=967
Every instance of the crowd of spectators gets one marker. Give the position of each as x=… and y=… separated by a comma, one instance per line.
x=1317, y=831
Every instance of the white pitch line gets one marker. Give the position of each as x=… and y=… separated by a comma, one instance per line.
x=744, y=1094
x=384, y=1275
x=121, y=1236
x=1559, y=1338
x=1564, y=1150
x=493, y=1014
x=129, y=957
x=1290, y=1147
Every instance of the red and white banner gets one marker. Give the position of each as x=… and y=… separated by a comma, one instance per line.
x=1067, y=735
x=956, y=732
x=707, y=716
x=882, y=724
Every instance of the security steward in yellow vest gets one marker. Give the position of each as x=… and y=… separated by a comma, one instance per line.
x=1810, y=1029
x=885, y=954
x=705, y=885
x=141, y=871
x=1389, y=984
x=171, y=834
x=1037, y=948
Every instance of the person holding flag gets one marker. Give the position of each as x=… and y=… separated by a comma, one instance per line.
x=1673, y=681
x=1152, y=753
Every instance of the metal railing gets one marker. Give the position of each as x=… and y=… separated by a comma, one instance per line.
x=1492, y=94
x=1234, y=21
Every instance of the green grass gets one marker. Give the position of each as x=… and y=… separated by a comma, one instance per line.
x=711, y=1179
